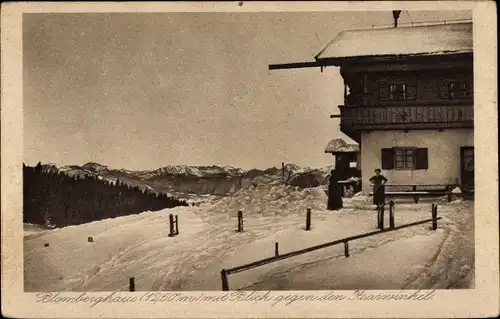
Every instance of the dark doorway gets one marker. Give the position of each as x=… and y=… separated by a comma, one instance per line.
x=467, y=168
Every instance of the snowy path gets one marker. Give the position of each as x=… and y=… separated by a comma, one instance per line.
x=138, y=246
x=368, y=270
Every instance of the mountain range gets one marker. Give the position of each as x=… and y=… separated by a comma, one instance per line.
x=184, y=181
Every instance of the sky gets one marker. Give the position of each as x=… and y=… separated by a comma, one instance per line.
x=146, y=90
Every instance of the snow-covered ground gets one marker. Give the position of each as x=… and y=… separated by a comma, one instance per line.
x=138, y=246
x=33, y=229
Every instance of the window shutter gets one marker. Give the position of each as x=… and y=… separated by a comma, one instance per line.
x=421, y=158
x=387, y=158
x=383, y=91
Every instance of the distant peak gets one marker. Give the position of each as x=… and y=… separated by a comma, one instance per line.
x=94, y=166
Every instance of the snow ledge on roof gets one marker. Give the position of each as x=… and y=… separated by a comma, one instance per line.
x=339, y=145
x=421, y=40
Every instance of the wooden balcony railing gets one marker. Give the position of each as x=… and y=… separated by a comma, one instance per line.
x=365, y=117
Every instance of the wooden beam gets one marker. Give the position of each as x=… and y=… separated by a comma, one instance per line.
x=297, y=65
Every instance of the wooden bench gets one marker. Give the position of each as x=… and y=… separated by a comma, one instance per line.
x=418, y=190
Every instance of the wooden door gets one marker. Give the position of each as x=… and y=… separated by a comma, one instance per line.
x=467, y=168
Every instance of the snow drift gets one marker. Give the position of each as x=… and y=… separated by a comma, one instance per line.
x=138, y=246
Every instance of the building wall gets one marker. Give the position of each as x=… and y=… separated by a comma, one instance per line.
x=427, y=86
x=443, y=154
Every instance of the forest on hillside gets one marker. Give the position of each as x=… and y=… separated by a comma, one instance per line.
x=55, y=199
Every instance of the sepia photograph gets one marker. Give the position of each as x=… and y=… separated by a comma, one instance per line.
x=251, y=152
x=188, y=151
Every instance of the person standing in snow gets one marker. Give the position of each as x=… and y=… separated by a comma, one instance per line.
x=334, y=192
x=378, y=182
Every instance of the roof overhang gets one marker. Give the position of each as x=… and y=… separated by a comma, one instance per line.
x=391, y=45
x=394, y=58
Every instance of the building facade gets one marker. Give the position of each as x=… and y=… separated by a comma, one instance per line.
x=408, y=101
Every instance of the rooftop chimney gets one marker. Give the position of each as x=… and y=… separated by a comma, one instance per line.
x=395, y=14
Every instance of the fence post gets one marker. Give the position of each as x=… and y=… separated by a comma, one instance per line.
x=378, y=216
x=308, y=219
x=131, y=284
x=381, y=209
x=171, y=224
x=176, y=224
x=276, y=249
x=225, y=282
x=391, y=214
x=434, y=216
x=346, y=249
x=240, y=221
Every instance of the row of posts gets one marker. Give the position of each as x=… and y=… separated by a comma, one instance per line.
x=381, y=212
x=380, y=216
x=240, y=220
x=174, y=231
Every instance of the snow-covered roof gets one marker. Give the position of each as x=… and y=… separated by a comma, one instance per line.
x=339, y=145
x=420, y=40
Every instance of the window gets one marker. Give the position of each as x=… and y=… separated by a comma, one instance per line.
x=404, y=158
x=458, y=90
x=397, y=92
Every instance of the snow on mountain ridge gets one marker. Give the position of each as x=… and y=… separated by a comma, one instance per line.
x=73, y=170
x=197, y=170
x=92, y=166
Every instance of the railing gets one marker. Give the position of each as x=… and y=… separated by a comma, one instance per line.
x=345, y=241
x=366, y=116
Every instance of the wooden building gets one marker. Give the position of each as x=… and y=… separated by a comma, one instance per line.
x=346, y=157
x=408, y=100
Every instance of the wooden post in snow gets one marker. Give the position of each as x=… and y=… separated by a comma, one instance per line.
x=434, y=216
x=391, y=214
x=346, y=249
x=276, y=249
x=176, y=224
x=131, y=284
x=171, y=224
x=240, y=221
x=308, y=219
x=225, y=281
x=380, y=214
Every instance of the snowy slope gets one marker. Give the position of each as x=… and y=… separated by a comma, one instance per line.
x=138, y=246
